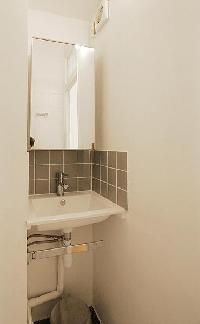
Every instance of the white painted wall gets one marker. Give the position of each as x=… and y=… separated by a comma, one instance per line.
x=79, y=9
x=51, y=26
x=148, y=95
x=13, y=161
x=41, y=274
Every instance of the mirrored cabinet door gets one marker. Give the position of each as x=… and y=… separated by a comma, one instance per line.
x=62, y=103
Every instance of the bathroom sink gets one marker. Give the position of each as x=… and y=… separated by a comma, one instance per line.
x=49, y=212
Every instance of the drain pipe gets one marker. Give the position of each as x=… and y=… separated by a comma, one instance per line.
x=63, y=262
x=32, y=302
x=51, y=295
x=67, y=242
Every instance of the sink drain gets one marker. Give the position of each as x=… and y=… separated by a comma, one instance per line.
x=63, y=202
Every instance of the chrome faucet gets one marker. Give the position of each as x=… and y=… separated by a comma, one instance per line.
x=60, y=183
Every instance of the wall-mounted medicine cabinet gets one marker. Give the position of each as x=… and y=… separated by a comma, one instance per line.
x=62, y=95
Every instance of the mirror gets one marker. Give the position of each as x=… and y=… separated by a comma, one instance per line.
x=62, y=95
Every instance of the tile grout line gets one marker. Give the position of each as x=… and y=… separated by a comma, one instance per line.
x=77, y=182
x=63, y=162
x=100, y=176
x=107, y=174
x=109, y=167
x=67, y=164
x=49, y=172
x=110, y=184
x=91, y=164
x=107, y=178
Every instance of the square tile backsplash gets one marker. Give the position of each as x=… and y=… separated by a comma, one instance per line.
x=102, y=171
x=109, y=176
x=44, y=164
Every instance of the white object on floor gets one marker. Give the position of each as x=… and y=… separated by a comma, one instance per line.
x=70, y=310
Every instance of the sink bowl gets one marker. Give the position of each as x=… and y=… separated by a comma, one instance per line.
x=72, y=210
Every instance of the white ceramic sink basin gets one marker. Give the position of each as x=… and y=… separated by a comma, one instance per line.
x=73, y=210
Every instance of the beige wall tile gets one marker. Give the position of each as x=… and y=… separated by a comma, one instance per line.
x=122, y=198
x=112, y=193
x=70, y=156
x=31, y=187
x=41, y=186
x=122, y=160
x=104, y=158
x=96, y=171
x=84, y=184
x=53, y=186
x=84, y=170
x=112, y=159
x=31, y=157
x=104, y=189
x=122, y=179
x=56, y=157
x=96, y=157
x=42, y=157
x=71, y=170
x=104, y=173
x=112, y=176
x=31, y=172
x=96, y=185
x=83, y=156
x=42, y=172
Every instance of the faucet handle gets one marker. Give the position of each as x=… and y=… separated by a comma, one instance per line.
x=66, y=186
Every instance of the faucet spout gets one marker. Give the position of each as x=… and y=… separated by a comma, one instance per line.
x=60, y=183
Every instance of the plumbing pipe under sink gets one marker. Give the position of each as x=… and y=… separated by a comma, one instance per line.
x=60, y=252
x=51, y=295
x=67, y=242
x=49, y=213
x=32, y=302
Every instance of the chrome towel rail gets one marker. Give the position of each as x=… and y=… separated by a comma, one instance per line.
x=60, y=251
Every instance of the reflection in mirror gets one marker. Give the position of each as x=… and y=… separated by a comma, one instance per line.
x=62, y=95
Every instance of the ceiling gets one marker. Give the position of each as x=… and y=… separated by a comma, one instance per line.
x=79, y=9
